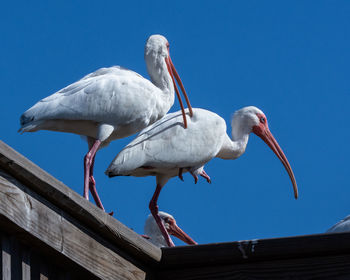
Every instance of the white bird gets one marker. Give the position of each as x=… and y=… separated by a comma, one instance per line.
x=154, y=235
x=165, y=149
x=109, y=104
x=341, y=226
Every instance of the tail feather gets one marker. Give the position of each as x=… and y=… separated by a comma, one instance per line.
x=25, y=119
x=27, y=122
x=126, y=162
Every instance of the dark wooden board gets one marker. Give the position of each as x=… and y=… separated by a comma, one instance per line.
x=326, y=267
x=256, y=250
x=34, y=261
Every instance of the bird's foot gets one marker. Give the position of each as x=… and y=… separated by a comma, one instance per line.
x=111, y=213
x=92, y=187
x=180, y=174
x=206, y=176
x=195, y=177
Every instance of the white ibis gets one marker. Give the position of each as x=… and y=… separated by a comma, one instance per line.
x=109, y=104
x=165, y=149
x=153, y=233
x=341, y=226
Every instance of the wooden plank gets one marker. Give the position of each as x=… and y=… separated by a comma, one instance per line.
x=6, y=258
x=61, y=232
x=40, y=251
x=87, y=213
x=256, y=250
x=26, y=264
x=16, y=259
x=327, y=267
x=44, y=270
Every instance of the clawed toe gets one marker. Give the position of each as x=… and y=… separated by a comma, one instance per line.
x=180, y=174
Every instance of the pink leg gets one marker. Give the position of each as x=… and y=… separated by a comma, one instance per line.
x=92, y=186
x=206, y=176
x=88, y=162
x=154, y=210
x=195, y=177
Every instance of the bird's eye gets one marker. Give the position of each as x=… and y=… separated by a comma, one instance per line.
x=262, y=120
x=167, y=45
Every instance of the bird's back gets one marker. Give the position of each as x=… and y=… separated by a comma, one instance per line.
x=113, y=95
x=341, y=226
x=167, y=144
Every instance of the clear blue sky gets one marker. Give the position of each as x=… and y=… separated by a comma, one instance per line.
x=290, y=59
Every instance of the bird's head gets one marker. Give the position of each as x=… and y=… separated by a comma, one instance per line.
x=158, y=45
x=246, y=119
x=251, y=119
x=152, y=230
x=158, y=62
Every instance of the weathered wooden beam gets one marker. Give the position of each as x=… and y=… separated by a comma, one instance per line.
x=325, y=267
x=256, y=250
x=321, y=256
x=72, y=203
x=325, y=256
x=6, y=258
x=26, y=265
x=57, y=229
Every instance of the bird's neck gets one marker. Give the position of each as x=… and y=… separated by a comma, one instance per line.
x=160, y=77
x=159, y=74
x=235, y=147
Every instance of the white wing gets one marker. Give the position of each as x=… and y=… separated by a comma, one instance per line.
x=166, y=144
x=112, y=95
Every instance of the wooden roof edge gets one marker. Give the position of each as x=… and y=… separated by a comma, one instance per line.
x=84, y=211
x=256, y=250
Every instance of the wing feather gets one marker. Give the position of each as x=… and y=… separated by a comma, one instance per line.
x=110, y=95
x=166, y=144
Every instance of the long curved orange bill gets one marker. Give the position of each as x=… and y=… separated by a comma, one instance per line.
x=268, y=138
x=179, y=233
x=181, y=86
x=170, y=69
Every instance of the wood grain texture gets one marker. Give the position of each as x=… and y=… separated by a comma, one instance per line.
x=61, y=232
x=25, y=264
x=327, y=268
x=256, y=250
x=87, y=213
x=6, y=257
x=320, y=256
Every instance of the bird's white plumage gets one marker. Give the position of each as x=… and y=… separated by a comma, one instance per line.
x=152, y=230
x=166, y=146
x=341, y=226
x=114, y=96
x=108, y=104
x=165, y=149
